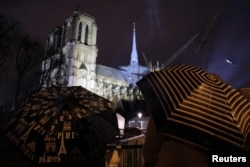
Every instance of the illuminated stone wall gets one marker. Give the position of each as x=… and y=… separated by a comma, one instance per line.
x=72, y=50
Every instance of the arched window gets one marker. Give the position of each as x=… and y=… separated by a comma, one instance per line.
x=79, y=32
x=64, y=34
x=86, y=35
x=67, y=37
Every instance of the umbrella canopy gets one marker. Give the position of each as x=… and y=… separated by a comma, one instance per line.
x=63, y=125
x=245, y=92
x=192, y=105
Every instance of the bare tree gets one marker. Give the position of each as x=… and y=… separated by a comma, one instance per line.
x=9, y=31
x=28, y=55
x=21, y=62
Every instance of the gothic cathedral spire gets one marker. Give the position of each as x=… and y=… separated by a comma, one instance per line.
x=134, y=56
x=134, y=70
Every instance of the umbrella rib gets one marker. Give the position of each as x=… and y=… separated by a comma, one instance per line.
x=222, y=124
x=186, y=108
x=159, y=97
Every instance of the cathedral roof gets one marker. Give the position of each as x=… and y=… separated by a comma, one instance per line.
x=110, y=72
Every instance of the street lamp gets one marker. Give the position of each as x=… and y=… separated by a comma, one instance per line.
x=139, y=116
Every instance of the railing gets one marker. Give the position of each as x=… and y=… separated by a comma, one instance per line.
x=127, y=153
x=124, y=156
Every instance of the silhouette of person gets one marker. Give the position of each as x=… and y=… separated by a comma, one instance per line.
x=162, y=151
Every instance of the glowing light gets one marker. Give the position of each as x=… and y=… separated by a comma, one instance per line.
x=230, y=62
x=139, y=115
x=154, y=15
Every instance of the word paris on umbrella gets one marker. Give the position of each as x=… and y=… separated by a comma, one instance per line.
x=61, y=125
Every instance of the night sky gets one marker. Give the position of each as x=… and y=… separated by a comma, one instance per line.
x=162, y=27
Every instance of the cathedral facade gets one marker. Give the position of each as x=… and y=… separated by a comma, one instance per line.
x=70, y=59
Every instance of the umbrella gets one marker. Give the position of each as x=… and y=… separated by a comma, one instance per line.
x=192, y=105
x=245, y=92
x=61, y=125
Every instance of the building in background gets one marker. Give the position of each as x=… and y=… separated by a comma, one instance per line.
x=71, y=54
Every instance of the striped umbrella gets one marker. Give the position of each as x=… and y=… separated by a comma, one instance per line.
x=190, y=104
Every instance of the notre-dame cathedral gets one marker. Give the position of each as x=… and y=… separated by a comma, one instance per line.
x=71, y=54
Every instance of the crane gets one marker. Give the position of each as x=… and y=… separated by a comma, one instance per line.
x=179, y=51
x=173, y=56
x=203, y=40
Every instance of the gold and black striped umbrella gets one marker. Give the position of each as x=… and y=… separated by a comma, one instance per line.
x=198, y=107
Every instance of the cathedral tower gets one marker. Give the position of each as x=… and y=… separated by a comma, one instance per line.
x=73, y=47
x=80, y=50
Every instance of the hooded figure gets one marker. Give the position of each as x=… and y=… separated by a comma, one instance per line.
x=162, y=151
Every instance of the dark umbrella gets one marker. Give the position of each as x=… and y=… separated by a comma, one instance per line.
x=61, y=125
x=190, y=104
